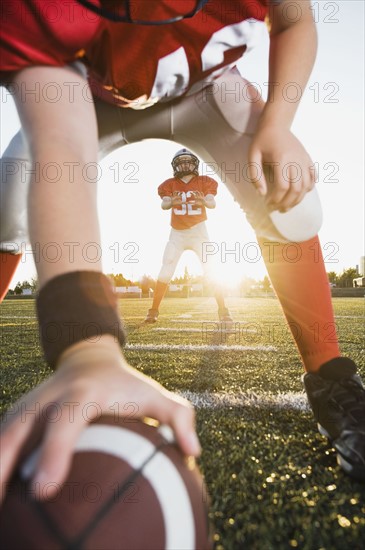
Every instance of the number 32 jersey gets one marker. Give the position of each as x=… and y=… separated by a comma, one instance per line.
x=137, y=66
x=188, y=214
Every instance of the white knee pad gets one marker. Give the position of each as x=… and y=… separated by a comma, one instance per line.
x=13, y=204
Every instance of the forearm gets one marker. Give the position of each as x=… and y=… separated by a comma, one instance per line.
x=62, y=212
x=293, y=49
x=63, y=227
x=209, y=201
x=166, y=203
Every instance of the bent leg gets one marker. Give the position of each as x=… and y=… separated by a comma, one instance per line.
x=298, y=275
x=15, y=172
x=8, y=264
x=220, y=131
x=209, y=264
x=173, y=251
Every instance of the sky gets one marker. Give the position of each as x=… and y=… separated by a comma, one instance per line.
x=329, y=123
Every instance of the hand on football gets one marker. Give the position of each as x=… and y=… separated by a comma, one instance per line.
x=176, y=199
x=280, y=168
x=196, y=197
x=56, y=412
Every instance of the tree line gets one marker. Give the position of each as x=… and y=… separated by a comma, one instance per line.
x=343, y=280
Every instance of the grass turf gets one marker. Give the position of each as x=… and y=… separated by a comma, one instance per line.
x=273, y=480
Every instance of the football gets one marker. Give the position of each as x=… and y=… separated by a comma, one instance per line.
x=129, y=487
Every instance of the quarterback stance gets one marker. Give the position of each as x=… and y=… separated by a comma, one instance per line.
x=188, y=195
x=124, y=72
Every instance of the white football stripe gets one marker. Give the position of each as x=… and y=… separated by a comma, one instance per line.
x=206, y=400
x=159, y=471
x=193, y=347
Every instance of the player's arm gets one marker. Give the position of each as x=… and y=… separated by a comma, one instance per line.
x=87, y=371
x=209, y=201
x=170, y=201
x=166, y=203
x=210, y=190
x=293, y=45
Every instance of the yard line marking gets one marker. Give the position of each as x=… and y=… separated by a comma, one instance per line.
x=350, y=316
x=172, y=329
x=192, y=347
x=17, y=317
x=185, y=316
x=200, y=322
x=207, y=400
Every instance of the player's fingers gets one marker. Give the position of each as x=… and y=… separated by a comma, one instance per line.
x=312, y=176
x=14, y=433
x=55, y=453
x=303, y=184
x=307, y=185
x=179, y=414
x=295, y=192
x=279, y=188
x=256, y=173
x=183, y=423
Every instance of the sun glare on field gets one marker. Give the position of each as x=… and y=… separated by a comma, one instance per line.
x=227, y=276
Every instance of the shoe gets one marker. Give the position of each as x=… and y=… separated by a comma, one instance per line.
x=151, y=316
x=225, y=316
x=338, y=406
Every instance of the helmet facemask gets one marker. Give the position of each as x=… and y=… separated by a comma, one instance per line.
x=185, y=163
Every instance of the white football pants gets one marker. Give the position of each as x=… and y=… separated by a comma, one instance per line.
x=195, y=238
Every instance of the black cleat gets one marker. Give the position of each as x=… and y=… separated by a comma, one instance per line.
x=152, y=315
x=338, y=405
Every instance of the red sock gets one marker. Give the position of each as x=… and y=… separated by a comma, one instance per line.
x=298, y=275
x=8, y=265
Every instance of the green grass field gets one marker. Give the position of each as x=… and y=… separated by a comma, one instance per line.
x=273, y=480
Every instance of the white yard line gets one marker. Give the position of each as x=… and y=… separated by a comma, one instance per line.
x=213, y=321
x=17, y=317
x=192, y=347
x=349, y=316
x=206, y=400
x=212, y=330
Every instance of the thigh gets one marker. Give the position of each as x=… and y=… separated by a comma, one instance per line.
x=202, y=246
x=172, y=254
x=15, y=169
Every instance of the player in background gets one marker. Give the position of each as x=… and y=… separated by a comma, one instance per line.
x=174, y=75
x=187, y=195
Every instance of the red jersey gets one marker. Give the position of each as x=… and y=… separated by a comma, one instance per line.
x=136, y=65
x=44, y=32
x=188, y=214
x=131, y=65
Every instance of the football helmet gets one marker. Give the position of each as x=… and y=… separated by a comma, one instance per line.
x=125, y=11
x=184, y=163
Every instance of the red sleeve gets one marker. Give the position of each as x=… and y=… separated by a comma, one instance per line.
x=44, y=32
x=165, y=189
x=210, y=186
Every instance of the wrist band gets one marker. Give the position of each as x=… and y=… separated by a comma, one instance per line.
x=76, y=306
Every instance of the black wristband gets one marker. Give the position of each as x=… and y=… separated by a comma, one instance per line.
x=76, y=306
